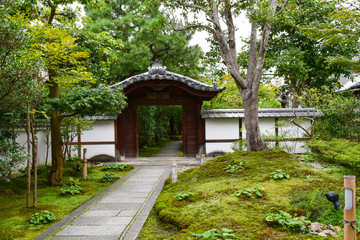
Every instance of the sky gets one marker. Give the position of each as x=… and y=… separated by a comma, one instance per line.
x=243, y=31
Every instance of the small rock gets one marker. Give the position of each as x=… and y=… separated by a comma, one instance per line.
x=337, y=229
x=330, y=233
x=322, y=234
x=316, y=227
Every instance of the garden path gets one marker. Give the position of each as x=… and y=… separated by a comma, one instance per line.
x=119, y=213
x=121, y=210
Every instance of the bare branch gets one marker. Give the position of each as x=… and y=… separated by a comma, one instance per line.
x=302, y=128
x=194, y=26
x=263, y=48
x=230, y=25
x=191, y=5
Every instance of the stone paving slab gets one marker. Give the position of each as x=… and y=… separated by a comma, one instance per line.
x=96, y=221
x=126, y=213
x=121, y=200
x=133, y=194
x=115, y=206
x=92, y=230
x=101, y=213
x=114, y=237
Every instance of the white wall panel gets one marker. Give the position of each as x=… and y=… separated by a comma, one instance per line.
x=93, y=150
x=290, y=130
x=41, y=137
x=218, y=147
x=101, y=131
x=222, y=129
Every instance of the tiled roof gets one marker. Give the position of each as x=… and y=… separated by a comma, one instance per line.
x=263, y=113
x=158, y=72
x=355, y=85
x=101, y=118
x=352, y=85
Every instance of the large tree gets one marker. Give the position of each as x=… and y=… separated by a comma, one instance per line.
x=146, y=36
x=66, y=73
x=305, y=61
x=221, y=24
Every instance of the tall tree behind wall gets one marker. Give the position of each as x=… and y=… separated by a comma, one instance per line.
x=304, y=60
x=146, y=36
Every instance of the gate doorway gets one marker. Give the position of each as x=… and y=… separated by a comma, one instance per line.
x=159, y=125
x=161, y=87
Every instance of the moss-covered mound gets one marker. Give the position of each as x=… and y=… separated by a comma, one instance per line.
x=213, y=203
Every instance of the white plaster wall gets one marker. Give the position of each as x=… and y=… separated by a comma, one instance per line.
x=294, y=146
x=228, y=129
x=93, y=150
x=41, y=137
x=290, y=130
x=218, y=147
x=267, y=126
x=101, y=131
x=221, y=129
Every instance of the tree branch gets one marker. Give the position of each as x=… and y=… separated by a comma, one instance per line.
x=51, y=16
x=62, y=116
x=191, y=5
x=193, y=26
x=310, y=134
x=283, y=7
x=263, y=48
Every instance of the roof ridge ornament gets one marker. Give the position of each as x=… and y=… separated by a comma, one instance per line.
x=157, y=67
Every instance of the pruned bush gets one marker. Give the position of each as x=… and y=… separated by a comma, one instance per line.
x=339, y=151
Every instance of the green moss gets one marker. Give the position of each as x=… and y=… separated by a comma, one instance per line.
x=215, y=205
x=14, y=215
x=152, y=151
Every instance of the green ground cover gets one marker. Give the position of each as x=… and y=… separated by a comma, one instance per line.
x=152, y=151
x=213, y=203
x=14, y=217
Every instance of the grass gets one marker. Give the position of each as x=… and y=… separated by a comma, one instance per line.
x=214, y=205
x=14, y=215
x=152, y=151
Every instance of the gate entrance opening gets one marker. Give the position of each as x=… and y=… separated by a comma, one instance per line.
x=161, y=87
x=157, y=124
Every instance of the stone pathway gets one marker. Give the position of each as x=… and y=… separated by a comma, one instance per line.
x=173, y=149
x=121, y=212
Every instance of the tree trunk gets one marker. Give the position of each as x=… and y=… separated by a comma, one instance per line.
x=47, y=146
x=35, y=155
x=295, y=101
x=28, y=161
x=253, y=136
x=57, y=166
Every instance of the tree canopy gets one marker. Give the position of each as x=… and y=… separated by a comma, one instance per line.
x=303, y=60
x=146, y=36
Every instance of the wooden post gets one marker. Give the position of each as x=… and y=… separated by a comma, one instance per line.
x=173, y=172
x=350, y=208
x=84, y=173
x=276, y=132
x=202, y=159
